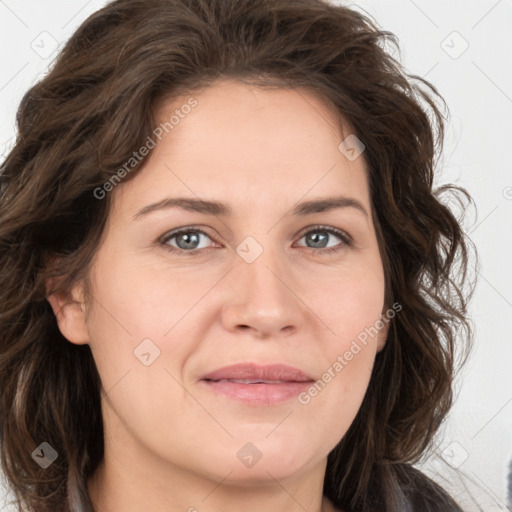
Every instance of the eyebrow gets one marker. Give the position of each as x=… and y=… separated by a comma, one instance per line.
x=222, y=209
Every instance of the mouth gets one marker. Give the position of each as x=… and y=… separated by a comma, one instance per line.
x=249, y=381
x=269, y=373
x=251, y=384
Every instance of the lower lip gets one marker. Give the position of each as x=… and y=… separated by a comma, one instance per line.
x=258, y=394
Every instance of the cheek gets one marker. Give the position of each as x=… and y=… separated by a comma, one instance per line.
x=349, y=304
x=150, y=296
x=352, y=308
x=336, y=397
x=126, y=310
x=143, y=313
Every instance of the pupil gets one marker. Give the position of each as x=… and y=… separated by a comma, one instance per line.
x=188, y=237
x=323, y=235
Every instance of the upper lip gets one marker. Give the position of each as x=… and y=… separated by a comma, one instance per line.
x=271, y=372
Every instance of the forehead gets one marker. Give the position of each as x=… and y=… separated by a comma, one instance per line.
x=248, y=143
x=237, y=111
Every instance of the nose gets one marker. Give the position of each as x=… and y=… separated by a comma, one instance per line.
x=260, y=298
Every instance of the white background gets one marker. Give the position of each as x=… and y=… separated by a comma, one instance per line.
x=477, y=86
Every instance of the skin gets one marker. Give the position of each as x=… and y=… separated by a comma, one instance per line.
x=171, y=443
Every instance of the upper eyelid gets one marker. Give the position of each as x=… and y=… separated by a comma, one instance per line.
x=322, y=227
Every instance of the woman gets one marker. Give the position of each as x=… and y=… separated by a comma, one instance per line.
x=227, y=281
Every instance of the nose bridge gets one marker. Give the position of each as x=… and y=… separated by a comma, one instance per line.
x=260, y=267
x=260, y=289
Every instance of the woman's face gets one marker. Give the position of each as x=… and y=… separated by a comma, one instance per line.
x=260, y=284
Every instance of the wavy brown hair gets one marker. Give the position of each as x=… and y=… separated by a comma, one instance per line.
x=82, y=122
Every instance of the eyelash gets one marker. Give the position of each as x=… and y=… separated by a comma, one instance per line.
x=346, y=239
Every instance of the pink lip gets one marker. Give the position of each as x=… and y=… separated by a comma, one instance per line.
x=280, y=372
x=291, y=382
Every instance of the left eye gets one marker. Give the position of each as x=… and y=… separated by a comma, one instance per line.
x=186, y=240
x=326, y=232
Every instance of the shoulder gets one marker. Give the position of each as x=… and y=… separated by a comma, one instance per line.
x=422, y=494
x=411, y=491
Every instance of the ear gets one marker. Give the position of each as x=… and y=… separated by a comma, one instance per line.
x=69, y=309
x=382, y=336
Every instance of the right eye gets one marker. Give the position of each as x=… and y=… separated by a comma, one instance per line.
x=186, y=240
